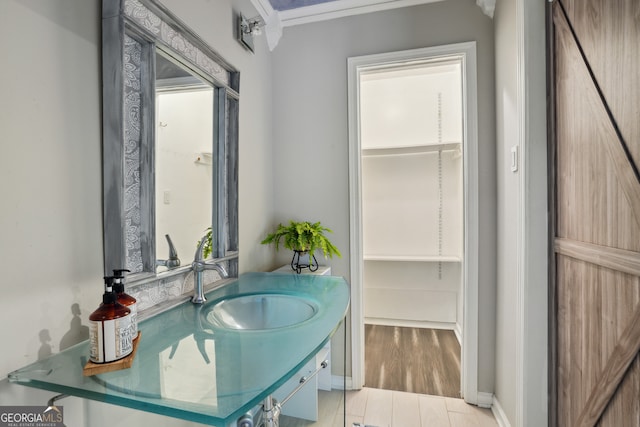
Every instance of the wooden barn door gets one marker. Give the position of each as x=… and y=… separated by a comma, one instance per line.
x=595, y=93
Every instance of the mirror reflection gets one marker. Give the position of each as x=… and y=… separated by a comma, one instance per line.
x=183, y=162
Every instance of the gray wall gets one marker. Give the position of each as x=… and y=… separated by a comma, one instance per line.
x=50, y=176
x=508, y=204
x=311, y=127
x=522, y=261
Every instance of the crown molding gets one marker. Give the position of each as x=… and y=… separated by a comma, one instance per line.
x=275, y=20
x=342, y=8
x=272, y=24
x=263, y=7
x=487, y=6
x=273, y=30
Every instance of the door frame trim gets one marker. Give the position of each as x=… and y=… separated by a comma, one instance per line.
x=469, y=357
x=552, y=409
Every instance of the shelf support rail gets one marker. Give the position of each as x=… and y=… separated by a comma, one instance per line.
x=52, y=401
x=303, y=382
x=271, y=407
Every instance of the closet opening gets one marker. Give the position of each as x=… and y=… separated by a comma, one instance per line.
x=414, y=216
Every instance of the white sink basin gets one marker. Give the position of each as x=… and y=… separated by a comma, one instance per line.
x=260, y=312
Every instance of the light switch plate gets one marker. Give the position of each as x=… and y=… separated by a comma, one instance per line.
x=514, y=158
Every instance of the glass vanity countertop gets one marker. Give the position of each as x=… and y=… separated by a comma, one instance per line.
x=189, y=367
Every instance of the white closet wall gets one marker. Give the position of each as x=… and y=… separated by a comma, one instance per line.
x=412, y=195
x=184, y=171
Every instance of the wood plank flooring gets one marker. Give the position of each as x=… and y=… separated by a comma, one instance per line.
x=414, y=360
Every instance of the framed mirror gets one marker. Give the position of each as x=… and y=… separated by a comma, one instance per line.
x=170, y=143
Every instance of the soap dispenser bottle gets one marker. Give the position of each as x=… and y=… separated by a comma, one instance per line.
x=125, y=299
x=110, y=328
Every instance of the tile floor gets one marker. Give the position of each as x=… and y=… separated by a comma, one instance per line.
x=385, y=408
x=371, y=407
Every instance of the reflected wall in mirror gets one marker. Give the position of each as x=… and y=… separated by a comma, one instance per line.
x=183, y=161
x=170, y=143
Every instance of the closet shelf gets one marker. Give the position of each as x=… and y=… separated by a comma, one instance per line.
x=410, y=150
x=413, y=258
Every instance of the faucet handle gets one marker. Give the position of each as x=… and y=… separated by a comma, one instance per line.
x=173, y=253
x=173, y=260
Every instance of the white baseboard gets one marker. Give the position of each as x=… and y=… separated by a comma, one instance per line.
x=451, y=326
x=498, y=412
x=485, y=400
x=338, y=383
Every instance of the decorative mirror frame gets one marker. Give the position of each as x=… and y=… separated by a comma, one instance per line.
x=132, y=30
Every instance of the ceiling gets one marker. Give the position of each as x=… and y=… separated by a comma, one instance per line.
x=278, y=14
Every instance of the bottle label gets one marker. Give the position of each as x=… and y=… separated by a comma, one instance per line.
x=94, y=341
x=110, y=340
x=134, y=320
x=124, y=336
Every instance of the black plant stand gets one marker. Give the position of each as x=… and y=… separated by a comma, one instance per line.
x=297, y=267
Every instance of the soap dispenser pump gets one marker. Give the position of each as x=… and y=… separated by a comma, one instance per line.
x=110, y=328
x=125, y=299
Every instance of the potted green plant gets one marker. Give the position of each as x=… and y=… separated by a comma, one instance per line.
x=303, y=238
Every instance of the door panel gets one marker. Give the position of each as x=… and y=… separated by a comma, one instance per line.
x=595, y=305
x=609, y=34
x=623, y=409
x=592, y=188
x=597, y=214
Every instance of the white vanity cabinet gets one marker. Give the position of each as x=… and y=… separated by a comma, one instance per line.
x=304, y=404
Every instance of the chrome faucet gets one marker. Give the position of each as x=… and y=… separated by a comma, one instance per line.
x=173, y=260
x=198, y=265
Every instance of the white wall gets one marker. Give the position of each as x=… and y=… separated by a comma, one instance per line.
x=400, y=107
x=311, y=129
x=183, y=174
x=522, y=311
x=50, y=169
x=534, y=216
x=51, y=180
x=508, y=203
